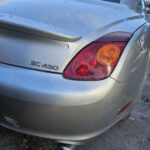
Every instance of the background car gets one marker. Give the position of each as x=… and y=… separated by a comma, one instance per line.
x=71, y=71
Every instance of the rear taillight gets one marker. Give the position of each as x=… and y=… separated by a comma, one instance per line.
x=97, y=60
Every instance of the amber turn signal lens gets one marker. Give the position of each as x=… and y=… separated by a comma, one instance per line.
x=108, y=54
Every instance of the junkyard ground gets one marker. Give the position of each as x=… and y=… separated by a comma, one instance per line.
x=131, y=134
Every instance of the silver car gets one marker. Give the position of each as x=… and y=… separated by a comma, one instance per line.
x=70, y=69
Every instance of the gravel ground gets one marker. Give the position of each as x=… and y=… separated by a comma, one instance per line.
x=131, y=134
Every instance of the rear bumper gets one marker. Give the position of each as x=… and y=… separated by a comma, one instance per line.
x=50, y=106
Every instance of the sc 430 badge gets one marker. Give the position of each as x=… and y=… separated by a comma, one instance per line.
x=42, y=65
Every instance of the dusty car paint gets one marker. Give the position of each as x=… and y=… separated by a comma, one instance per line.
x=38, y=42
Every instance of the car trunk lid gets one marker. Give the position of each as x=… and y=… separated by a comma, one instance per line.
x=37, y=34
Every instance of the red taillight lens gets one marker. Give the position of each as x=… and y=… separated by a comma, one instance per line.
x=98, y=59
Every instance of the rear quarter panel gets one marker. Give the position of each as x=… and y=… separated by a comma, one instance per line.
x=133, y=65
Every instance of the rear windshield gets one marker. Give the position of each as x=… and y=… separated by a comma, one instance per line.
x=115, y=1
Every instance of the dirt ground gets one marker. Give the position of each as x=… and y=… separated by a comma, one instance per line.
x=131, y=134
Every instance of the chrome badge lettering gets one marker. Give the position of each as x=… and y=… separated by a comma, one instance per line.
x=43, y=65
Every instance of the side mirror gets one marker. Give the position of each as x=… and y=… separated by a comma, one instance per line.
x=147, y=7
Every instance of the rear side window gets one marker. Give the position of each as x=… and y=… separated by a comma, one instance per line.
x=115, y=1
